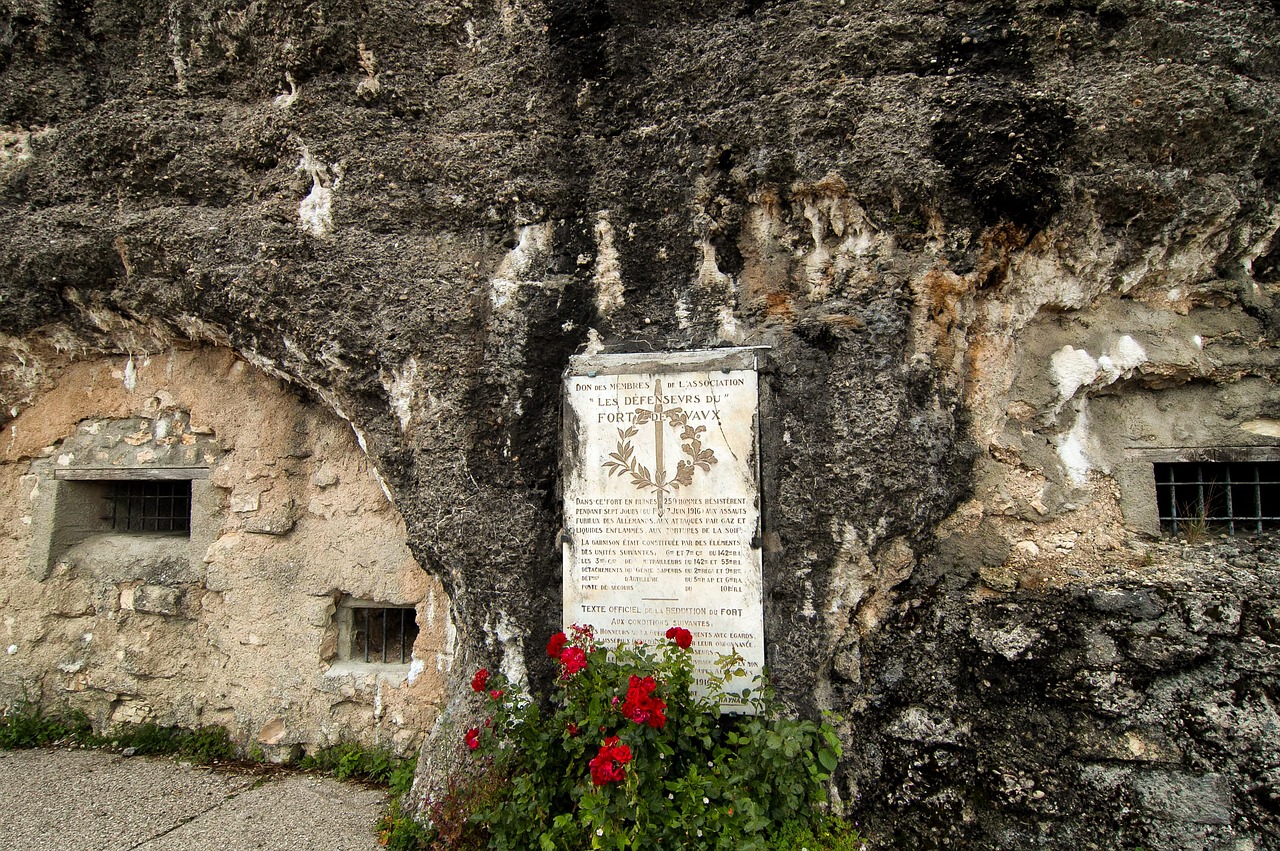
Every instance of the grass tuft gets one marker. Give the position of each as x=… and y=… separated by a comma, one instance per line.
x=27, y=726
x=350, y=761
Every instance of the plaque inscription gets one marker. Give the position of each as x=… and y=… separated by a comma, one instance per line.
x=661, y=508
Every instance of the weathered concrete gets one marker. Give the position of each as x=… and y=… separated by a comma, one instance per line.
x=235, y=624
x=58, y=800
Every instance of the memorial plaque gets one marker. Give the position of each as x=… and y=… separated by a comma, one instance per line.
x=662, y=501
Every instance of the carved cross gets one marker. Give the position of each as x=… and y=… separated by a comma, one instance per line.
x=623, y=460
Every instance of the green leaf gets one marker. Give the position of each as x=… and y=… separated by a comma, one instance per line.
x=828, y=759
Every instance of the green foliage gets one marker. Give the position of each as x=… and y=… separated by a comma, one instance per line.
x=397, y=829
x=449, y=817
x=351, y=761
x=204, y=745
x=400, y=832
x=148, y=739
x=207, y=745
x=400, y=778
x=27, y=726
x=818, y=833
x=629, y=756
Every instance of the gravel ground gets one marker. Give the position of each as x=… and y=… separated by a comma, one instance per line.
x=71, y=800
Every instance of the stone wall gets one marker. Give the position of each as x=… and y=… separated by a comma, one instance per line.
x=236, y=624
x=1005, y=254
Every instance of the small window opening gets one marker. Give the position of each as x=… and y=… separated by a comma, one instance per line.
x=383, y=634
x=150, y=506
x=1236, y=498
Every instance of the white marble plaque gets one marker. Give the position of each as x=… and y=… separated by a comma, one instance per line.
x=662, y=501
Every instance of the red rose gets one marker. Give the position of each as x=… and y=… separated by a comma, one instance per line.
x=641, y=706
x=574, y=660
x=496, y=693
x=657, y=714
x=681, y=636
x=556, y=644
x=605, y=770
x=572, y=729
x=472, y=738
x=606, y=766
x=479, y=680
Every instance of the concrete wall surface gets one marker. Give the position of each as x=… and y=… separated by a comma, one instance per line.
x=237, y=623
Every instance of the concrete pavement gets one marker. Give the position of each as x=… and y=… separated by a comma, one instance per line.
x=85, y=800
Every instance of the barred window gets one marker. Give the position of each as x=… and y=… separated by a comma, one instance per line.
x=382, y=634
x=150, y=506
x=1232, y=497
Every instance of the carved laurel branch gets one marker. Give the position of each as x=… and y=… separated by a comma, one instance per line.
x=624, y=462
x=702, y=458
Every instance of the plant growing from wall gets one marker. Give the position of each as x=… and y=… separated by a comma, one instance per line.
x=629, y=756
x=352, y=761
x=204, y=745
x=25, y=725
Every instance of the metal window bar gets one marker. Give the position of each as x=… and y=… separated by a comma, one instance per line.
x=385, y=634
x=1230, y=502
x=150, y=506
x=1235, y=496
x=1203, y=510
x=1257, y=495
x=1231, y=509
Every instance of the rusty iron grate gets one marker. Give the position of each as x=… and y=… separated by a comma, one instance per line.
x=383, y=634
x=150, y=506
x=1236, y=498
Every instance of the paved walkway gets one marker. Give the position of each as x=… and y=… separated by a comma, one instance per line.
x=74, y=800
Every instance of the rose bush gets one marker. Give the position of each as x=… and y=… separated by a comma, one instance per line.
x=627, y=756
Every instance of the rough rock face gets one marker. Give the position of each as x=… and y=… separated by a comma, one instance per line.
x=1123, y=711
x=1005, y=254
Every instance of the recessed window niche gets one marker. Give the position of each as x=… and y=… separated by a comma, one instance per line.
x=373, y=635
x=122, y=497
x=1198, y=491
x=1216, y=497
